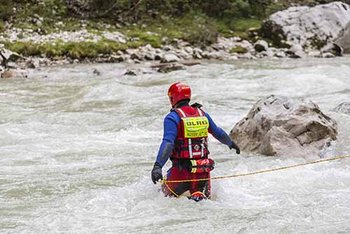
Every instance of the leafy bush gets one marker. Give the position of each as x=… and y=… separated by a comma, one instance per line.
x=136, y=10
x=198, y=29
x=205, y=34
x=193, y=27
x=5, y=9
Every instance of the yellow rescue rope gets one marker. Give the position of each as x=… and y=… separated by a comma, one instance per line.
x=165, y=182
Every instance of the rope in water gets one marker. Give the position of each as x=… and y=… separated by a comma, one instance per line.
x=257, y=172
x=165, y=182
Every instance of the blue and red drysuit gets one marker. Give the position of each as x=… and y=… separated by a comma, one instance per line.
x=179, y=169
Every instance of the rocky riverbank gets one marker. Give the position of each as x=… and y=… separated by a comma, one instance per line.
x=320, y=31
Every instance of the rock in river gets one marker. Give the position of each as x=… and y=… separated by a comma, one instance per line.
x=279, y=126
x=308, y=27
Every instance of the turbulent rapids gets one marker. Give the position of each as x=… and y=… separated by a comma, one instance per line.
x=76, y=151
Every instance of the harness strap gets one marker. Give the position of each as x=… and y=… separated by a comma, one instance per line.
x=190, y=147
x=202, y=144
x=181, y=112
x=200, y=112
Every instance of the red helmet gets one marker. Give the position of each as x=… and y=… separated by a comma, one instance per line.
x=177, y=92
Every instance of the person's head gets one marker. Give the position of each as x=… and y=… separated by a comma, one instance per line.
x=178, y=92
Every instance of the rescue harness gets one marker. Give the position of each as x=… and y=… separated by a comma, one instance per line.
x=191, y=145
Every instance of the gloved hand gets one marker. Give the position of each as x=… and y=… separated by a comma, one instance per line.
x=156, y=173
x=234, y=146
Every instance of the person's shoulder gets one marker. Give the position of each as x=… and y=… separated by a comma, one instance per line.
x=199, y=106
x=172, y=115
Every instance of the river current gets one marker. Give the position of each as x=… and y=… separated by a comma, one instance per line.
x=76, y=151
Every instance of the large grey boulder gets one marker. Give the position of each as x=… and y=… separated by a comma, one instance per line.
x=280, y=126
x=308, y=27
x=344, y=40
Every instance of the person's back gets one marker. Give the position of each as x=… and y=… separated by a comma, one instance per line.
x=185, y=142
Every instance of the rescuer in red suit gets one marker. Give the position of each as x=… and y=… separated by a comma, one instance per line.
x=185, y=142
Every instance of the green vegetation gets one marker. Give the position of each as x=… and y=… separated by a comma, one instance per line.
x=74, y=50
x=239, y=50
x=2, y=26
x=5, y=9
x=237, y=27
x=5, y=12
x=153, y=22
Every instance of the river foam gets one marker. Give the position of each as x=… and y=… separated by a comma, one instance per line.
x=76, y=151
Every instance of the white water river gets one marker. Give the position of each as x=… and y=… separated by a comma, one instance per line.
x=76, y=151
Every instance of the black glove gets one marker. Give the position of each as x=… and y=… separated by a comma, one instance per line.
x=234, y=146
x=156, y=173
